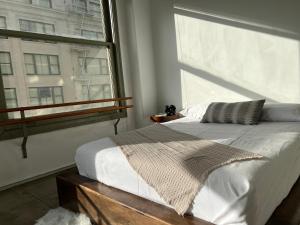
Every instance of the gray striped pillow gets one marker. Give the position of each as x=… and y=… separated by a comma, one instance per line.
x=247, y=113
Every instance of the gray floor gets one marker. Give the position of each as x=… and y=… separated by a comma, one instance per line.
x=24, y=204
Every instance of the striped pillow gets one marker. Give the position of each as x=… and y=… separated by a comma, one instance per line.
x=247, y=113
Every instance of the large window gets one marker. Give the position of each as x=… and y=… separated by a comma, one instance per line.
x=71, y=56
x=37, y=27
x=10, y=98
x=93, y=66
x=42, y=3
x=5, y=64
x=46, y=95
x=37, y=64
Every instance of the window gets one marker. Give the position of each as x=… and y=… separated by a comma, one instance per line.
x=46, y=95
x=42, y=3
x=93, y=35
x=5, y=64
x=80, y=5
x=93, y=66
x=2, y=22
x=11, y=98
x=37, y=64
x=76, y=47
x=95, y=8
x=36, y=27
x=93, y=92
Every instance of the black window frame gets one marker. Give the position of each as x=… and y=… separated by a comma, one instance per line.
x=112, y=44
x=35, y=65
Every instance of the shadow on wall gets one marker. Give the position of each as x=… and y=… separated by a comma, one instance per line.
x=225, y=62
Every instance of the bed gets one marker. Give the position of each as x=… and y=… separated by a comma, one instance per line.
x=241, y=193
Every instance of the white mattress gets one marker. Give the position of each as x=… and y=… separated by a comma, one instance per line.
x=242, y=193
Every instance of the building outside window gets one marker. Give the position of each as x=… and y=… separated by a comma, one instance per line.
x=5, y=64
x=93, y=66
x=36, y=27
x=10, y=98
x=93, y=92
x=93, y=35
x=42, y=3
x=37, y=64
x=46, y=95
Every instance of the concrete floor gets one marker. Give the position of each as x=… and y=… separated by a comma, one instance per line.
x=24, y=204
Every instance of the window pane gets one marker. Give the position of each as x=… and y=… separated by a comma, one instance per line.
x=72, y=61
x=33, y=92
x=67, y=18
x=107, y=91
x=34, y=101
x=57, y=91
x=5, y=69
x=54, y=69
x=49, y=28
x=42, y=3
x=5, y=64
x=36, y=26
x=53, y=59
x=10, y=93
x=10, y=98
x=4, y=57
x=42, y=66
x=58, y=100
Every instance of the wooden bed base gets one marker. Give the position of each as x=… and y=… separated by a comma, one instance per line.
x=109, y=206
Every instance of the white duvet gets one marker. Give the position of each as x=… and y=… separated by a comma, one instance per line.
x=242, y=193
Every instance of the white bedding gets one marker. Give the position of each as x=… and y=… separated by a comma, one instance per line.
x=242, y=193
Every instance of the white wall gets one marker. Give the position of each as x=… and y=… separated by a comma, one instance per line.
x=48, y=151
x=226, y=51
x=138, y=31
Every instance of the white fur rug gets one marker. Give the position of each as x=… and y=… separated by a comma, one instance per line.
x=61, y=216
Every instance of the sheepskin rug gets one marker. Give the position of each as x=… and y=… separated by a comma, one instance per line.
x=61, y=216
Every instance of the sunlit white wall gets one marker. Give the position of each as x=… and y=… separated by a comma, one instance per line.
x=210, y=51
x=224, y=63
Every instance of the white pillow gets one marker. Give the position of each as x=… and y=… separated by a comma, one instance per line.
x=195, y=111
x=281, y=112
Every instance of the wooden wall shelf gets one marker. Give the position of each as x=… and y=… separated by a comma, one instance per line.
x=24, y=121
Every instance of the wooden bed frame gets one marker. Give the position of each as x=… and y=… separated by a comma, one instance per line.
x=110, y=206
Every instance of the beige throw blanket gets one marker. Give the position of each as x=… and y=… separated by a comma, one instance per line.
x=175, y=164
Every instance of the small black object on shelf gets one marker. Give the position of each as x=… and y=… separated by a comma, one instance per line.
x=170, y=110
